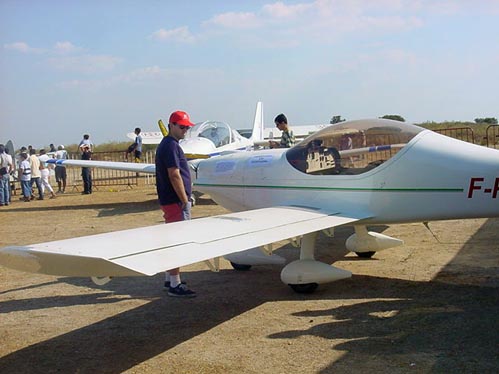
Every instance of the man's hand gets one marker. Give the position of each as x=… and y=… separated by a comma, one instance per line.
x=273, y=144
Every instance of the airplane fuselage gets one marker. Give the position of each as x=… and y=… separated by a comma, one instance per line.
x=433, y=177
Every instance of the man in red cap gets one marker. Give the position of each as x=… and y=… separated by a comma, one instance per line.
x=173, y=183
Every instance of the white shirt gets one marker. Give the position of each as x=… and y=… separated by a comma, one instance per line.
x=34, y=163
x=26, y=175
x=6, y=161
x=85, y=142
x=138, y=141
x=61, y=154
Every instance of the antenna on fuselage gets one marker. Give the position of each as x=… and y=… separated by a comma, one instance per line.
x=427, y=225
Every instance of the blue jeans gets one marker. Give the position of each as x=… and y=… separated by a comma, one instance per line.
x=5, y=189
x=38, y=182
x=86, y=175
x=26, y=186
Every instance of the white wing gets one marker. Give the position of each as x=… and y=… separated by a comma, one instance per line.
x=150, y=250
x=113, y=165
x=148, y=137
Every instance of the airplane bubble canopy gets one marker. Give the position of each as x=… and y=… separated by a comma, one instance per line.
x=219, y=133
x=352, y=147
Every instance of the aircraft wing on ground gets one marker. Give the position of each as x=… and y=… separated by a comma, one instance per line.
x=150, y=250
x=113, y=165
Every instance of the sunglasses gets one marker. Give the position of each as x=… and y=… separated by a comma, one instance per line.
x=182, y=127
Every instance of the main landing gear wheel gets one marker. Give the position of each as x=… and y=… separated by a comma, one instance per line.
x=240, y=267
x=365, y=254
x=304, y=288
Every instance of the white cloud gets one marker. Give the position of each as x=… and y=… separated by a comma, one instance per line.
x=143, y=74
x=180, y=34
x=280, y=10
x=85, y=63
x=88, y=85
x=22, y=47
x=152, y=77
x=316, y=21
x=65, y=47
x=234, y=20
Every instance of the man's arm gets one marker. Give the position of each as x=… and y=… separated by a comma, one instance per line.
x=178, y=184
x=274, y=144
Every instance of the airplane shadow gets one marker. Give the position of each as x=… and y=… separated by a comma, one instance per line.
x=457, y=321
x=33, y=286
x=204, y=200
x=111, y=209
x=106, y=209
x=425, y=319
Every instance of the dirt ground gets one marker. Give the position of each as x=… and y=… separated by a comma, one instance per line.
x=430, y=306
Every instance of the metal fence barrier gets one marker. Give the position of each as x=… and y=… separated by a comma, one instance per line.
x=462, y=133
x=492, y=136
x=107, y=177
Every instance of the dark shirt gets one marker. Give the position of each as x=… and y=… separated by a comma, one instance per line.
x=87, y=155
x=168, y=155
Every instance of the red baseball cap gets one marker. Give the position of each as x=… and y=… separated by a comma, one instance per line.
x=180, y=118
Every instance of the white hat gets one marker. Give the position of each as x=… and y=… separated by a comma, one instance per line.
x=61, y=146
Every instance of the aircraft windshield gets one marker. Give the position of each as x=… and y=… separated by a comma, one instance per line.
x=352, y=147
x=218, y=132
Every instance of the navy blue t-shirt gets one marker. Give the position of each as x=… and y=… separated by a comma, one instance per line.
x=168, y=155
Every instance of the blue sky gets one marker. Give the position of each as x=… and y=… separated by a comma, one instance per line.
x=104, y=67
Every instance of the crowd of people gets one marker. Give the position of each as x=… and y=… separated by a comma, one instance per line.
x=31, y=170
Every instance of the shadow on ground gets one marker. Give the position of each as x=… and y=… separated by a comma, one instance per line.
x=456, y=324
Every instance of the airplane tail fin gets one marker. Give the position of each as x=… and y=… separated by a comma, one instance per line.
x=163, y=128
x=257, y=134
x=9, y=146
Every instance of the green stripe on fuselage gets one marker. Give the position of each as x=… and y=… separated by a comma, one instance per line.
x=345, y=189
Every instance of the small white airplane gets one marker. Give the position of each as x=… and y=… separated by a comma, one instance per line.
x=210, y=138
x=393, y=172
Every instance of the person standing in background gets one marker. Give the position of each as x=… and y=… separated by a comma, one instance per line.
x=25, y=177
x=287, y=137
x=138, y=145
x=86, y=142
x=86, y=173
x=45, y=172
x=60, y=170
x=6, y=166
x=36, y=174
